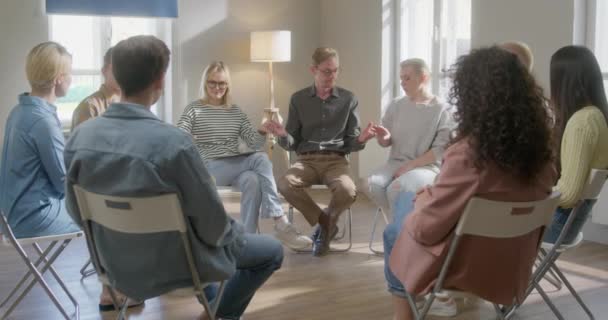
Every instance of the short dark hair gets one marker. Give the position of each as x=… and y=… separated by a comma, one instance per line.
x=107, y=58
x=138, y=61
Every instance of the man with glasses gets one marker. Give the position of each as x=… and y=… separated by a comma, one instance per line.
x=322, y=128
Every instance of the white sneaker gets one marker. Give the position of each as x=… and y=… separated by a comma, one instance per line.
x=291, y=238
x=440, y=308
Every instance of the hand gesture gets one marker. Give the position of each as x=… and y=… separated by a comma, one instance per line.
x=367, y=133
x=382, y=133
x=275, y=128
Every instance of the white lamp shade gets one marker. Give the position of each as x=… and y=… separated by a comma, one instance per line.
x=274, y=46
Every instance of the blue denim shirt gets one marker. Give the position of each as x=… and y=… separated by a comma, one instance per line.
x=32, y=174
x=129, y=152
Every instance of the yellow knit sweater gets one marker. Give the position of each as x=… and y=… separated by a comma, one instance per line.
x=584, y=147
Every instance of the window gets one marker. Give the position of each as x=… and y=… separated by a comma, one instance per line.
x=437, y=31
x=87, y=38
x=598, y=35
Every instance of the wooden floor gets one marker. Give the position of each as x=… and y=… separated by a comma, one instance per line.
x=340, y=286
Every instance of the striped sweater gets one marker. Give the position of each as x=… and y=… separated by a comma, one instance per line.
x=216, y=130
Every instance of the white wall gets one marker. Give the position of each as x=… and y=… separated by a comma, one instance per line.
x=22, y=26
x=545, y=25
x=354, y=27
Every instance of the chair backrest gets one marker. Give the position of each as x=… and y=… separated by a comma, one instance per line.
x=154, y=214
x=498, y=219
x=132, y=215
x=595, y=183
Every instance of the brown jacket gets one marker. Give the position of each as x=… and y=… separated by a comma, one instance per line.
x=496, y=270
x=93, y=105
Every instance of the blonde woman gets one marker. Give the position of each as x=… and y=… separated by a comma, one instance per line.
x=216, y=126
x=32, y=174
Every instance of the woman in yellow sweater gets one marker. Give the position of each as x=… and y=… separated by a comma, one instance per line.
x=579, y=99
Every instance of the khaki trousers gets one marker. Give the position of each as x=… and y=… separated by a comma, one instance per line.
x=331, y=170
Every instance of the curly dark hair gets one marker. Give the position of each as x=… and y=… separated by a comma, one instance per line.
x=502, y=112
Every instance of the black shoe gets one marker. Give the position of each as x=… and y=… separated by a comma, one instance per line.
x=315, y=234
x=320, y=245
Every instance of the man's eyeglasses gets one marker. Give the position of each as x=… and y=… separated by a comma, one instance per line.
x=329, y=72
x=214, y=84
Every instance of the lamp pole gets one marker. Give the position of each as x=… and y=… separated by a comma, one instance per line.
x=271, y=113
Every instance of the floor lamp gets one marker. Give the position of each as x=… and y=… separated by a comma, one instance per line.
x=271, y=46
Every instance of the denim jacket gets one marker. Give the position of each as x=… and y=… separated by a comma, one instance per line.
x=129, y=152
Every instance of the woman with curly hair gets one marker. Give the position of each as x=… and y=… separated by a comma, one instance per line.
x=579, y=100
x=503, y=151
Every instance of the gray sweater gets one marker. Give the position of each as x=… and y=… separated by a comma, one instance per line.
x=417, y=128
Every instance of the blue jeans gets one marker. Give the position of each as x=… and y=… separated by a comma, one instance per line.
x=260, y=258
x=404, y=205
x=384, y=189
x=559, y=221
x=252, y=175
x=52, y=220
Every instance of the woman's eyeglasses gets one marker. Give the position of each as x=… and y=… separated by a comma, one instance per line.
x=214, y=84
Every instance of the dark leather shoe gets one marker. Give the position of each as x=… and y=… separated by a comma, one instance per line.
x=320, y=246
x=315, y=234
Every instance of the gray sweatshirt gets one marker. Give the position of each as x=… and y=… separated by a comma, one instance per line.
x=415, y=128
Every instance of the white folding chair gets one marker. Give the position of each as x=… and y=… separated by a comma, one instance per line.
x=493, y=219
x=347, y=228
x=549, y=252
x=379, y=212
x=139, y=216
x=36, y=269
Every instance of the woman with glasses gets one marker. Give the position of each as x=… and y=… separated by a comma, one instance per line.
x=217, y=127
x=417, y=128
x=32, y=174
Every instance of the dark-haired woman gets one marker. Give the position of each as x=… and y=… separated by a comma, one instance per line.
x=503, y=151
x=579, y=101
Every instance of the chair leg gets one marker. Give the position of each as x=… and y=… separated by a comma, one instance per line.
x=499, y=312
x=38, y=278
x=573, y=292
x=349, y=231
x=87, y=273
x=373, y=234
x=343, y=232
x=413, y=306
x=551, y=277
x=548, y=301
x=210, y=309
x=427, y=306
x=57, y=277
x=27, y=274
x=121, y=307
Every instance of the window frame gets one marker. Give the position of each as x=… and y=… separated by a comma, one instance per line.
x=163, y=30
x=592, y=16
x=438, y=66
